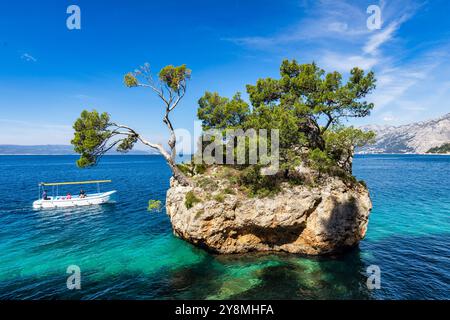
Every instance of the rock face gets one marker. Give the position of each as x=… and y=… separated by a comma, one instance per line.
x=411, y=138
x=300, y=219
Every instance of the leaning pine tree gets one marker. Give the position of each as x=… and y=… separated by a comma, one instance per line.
x=96, y=134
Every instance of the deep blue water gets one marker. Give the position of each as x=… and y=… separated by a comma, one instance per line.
x=124, y=251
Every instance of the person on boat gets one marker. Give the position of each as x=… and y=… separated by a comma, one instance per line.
x=44, y=195
x=69, y=196
x=82, y=194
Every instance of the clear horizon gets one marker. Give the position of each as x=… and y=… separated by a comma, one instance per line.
x=50, y=73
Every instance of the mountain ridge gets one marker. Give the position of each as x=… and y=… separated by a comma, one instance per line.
x=416, y=138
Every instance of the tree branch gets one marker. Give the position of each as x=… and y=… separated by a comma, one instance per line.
x=170, y=158
x=329, y=122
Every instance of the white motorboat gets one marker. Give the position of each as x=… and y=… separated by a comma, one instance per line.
x=47, y=202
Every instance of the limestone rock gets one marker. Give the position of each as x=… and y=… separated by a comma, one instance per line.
x=300, y=219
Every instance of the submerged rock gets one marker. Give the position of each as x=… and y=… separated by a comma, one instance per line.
x=300, y=219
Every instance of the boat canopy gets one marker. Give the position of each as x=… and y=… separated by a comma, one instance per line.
x=71, y=183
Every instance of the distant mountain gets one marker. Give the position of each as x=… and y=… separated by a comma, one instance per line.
x=49, y=150
x=417, y=137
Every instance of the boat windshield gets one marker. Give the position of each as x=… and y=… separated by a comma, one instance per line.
x=59, y=187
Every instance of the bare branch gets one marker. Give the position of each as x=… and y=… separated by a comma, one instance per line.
x=156, y=146
x=171, y=96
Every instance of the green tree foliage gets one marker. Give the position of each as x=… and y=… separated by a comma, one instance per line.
x=257, y=184
x=95, y=134
x=340, y=142
x=130, y=80
x=290, y=126
x=307, y=106
x=303, y=103
x=191, y=199
x=154, y=205
x=315, y=95
x=217, y=112
x=174, y=77
x=91, y=135
x=320, y=161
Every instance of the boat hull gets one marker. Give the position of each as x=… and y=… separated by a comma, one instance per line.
x=61, y=202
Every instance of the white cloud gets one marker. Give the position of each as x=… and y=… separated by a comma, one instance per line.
x=388, y=117
x=327, y=20
x=386, y=34
x=28, y=57
x=378, y=39
x=394, y=82
x=345, y=62
x=414, y=91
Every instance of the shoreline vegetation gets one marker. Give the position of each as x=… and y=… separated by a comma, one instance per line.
x=443, y=149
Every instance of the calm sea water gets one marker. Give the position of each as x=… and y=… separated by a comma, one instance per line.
x=124, y=251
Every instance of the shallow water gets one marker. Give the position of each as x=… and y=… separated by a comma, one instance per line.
x=125, y=251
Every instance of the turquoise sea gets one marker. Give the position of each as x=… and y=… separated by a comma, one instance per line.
x=126, y=252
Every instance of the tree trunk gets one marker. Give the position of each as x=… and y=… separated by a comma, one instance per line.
x=313, y=133
x=178, y=175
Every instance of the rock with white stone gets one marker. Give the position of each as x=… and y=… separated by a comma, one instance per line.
x=299, y=219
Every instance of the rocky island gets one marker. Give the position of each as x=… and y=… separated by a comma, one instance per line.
x=235, y=195
x=299, y=219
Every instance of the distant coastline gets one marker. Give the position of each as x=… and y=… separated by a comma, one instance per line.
x=66, y=150
x=402, y=154
x=53, y=150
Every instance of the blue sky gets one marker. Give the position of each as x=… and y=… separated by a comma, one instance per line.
x=49, y=73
